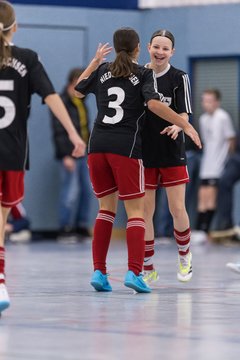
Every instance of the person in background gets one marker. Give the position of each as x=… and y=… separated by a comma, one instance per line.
x=224, y=224
x=219, y=137
x=21, y=75
x=17, y=229
x=122, y=88
x=75, y=189
x=164, y=155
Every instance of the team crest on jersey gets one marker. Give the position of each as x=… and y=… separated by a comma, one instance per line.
x=167, y=100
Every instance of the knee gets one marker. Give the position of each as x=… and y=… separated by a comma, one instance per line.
x=178, y=211
x=149, y=209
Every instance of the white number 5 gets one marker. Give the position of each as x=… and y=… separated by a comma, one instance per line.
x=115, y=105
x=7, y=104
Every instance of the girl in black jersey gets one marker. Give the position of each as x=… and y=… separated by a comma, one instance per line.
x=164, y=155
x=21, y=75
x=121, y=89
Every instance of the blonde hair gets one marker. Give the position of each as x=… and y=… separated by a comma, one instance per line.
x=7, y=21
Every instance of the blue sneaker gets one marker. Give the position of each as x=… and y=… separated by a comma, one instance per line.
x=100, y=282
x=136, y=282
x=4, y=298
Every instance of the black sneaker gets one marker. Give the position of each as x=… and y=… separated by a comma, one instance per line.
x=83, y=231
x=67, y=236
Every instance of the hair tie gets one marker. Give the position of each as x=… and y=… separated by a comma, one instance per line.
x=9, y=27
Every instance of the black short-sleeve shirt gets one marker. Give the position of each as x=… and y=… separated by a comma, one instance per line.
x=121, y=109
x=23, y=76
x=160, y=150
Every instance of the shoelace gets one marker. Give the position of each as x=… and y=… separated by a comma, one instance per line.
x=184, y=260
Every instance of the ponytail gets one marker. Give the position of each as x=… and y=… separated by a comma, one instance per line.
x=123, y=65
x=7, y=21
x=126, y=45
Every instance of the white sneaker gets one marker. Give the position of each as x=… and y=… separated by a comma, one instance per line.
x=22, y=236
x=185, y=267
x=237, y=231
x=219, y=234
x=150, y=276
x=198, y=237
x=4, y=298
x=234, y=267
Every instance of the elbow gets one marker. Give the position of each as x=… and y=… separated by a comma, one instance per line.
x=78, y=94
x=152, y=105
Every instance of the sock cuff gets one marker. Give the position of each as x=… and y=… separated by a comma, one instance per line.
x=182, y=236
x=136, y=222
x=182, y=233
x=149, y=242
x=106, y=215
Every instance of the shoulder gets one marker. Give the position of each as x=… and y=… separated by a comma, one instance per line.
x=223, y=113
x=29, y=53
x=27, y=56
x=177, y=74
x=103, y=67
x=143, y=70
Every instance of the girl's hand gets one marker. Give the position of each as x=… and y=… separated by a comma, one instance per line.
x=79, y=145
x=172, y=131
x=102, y=52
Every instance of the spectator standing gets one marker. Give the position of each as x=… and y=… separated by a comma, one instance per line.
x=218, y=136
x=75, y=189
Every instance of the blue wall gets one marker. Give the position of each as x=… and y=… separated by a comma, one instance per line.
x=66, y=37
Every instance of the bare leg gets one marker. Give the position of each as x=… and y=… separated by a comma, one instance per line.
x=4, y=298
x=176, y=203
x=3, y=220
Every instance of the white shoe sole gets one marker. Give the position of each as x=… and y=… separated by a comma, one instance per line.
x=233, y=267
x=184, y=278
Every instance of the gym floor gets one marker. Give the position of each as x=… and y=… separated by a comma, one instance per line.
x=55, y=314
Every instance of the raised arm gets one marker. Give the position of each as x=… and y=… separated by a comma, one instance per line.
x=100, y=56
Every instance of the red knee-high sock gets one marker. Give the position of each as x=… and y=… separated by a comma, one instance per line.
x=2, y=265
x=101, y=239
x=148, y=256
x=183, y=241
x=135, y=244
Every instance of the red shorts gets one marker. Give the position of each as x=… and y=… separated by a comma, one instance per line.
x=11, y=187
x=111, y=172
x=165, y=177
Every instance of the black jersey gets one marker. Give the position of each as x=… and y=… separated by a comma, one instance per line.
x=160, y=150
x=23, y=76
x=121, y=110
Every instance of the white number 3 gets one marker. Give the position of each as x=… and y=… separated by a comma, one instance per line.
x=115, y=105
x=7, y=104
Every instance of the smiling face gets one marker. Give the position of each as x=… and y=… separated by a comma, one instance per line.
x=160, y=50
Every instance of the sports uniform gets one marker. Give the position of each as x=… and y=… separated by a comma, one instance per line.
x=163, y=157
x=164, y=160
x=115, y=163
x=23, y=75
x=117, y=130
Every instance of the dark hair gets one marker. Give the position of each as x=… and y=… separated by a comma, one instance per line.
x=125, y=41
x=164, y=33
x=7, y=21
x=74, y=74
x=214, y=92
